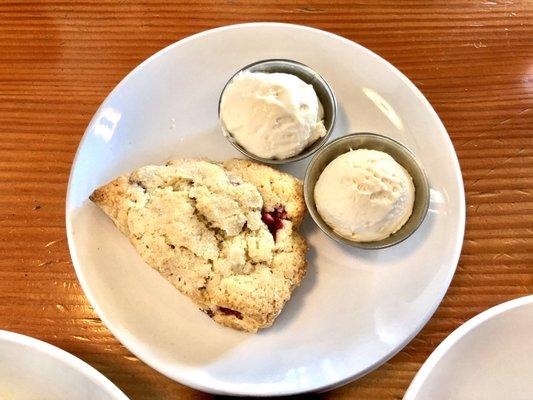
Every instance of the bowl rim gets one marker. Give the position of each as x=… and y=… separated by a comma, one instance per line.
x=47, y=350
x=461, y=333
x=373, y=245
x=313, y=147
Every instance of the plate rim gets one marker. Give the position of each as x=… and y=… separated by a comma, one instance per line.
x=64, y=357
x=453, y=338
x=195, y=384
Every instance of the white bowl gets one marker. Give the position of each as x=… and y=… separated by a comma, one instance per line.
x=489, y=357
x=355, y=308
x=32, y=369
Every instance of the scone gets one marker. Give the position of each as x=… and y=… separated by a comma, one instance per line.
x=225, y=235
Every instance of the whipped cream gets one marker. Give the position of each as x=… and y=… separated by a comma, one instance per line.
x=272, y=115
x=364, y=195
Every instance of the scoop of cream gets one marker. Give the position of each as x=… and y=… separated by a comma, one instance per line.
x=272, y=115
x=364, y=195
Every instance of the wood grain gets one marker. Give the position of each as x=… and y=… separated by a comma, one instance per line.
x=58, y=60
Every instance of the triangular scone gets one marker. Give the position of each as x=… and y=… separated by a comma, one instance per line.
x=225, y=235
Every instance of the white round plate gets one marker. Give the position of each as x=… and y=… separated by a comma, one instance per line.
x=490, y=357
x=31, y=369
x=354, y=310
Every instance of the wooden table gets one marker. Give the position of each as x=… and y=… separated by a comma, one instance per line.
x=59, y=59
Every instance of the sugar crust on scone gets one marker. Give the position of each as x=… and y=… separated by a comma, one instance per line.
x=202, y=225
